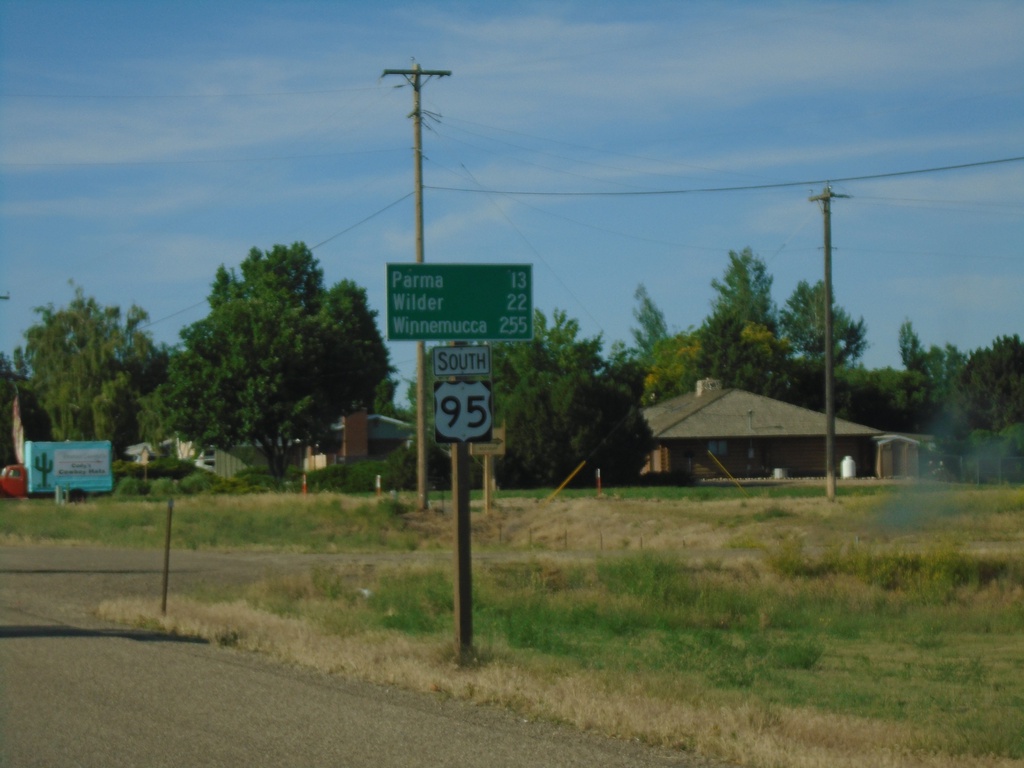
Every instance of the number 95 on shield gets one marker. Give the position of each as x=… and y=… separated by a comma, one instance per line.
x=462, y=411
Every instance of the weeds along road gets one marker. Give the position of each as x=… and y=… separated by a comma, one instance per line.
x=79, y=692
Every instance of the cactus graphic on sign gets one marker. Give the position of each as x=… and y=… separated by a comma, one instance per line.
x=43, y=464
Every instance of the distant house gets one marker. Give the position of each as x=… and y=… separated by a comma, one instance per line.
x=363, y=435
x=357, y=437
x=749, y=435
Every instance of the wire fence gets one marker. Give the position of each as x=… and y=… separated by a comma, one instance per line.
x=977, y=469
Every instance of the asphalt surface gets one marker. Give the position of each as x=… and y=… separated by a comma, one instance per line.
x=76, y=691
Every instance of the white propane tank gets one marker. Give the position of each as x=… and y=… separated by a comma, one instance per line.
x=848, y=467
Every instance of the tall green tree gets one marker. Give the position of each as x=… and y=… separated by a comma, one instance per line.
x=990, y=390
x=746, y=355
x=739, y=341
x=673, y=369
x=932, y=373
x=278, y=358
x=745, y=291
x=15, y=383
x=884, y=398
x=651, y=328
x=802, y=323
x=564, y=403
x=90, y=366
x=941, y=366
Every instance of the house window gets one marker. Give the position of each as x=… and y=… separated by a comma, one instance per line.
x=718, y=447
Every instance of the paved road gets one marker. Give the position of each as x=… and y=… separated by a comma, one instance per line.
x=80, y=692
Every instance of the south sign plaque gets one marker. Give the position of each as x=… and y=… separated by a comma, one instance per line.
x=459, y=302
x=462, y=361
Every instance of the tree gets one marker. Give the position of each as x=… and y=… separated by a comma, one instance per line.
x=911, y=350
x=278, y=358
x=742, y=354
x=563, y=403
x=14, y=383
x=738, y=340
x=652, y=329
x=802, y=322
x=989, y=393
x=669, y=362
x=90, y=368
x=673, y=369
x=886, y=398
x=745, y=291
x=932, y=373
x=940, y=366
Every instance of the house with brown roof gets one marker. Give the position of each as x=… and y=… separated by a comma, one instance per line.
x=715, y=430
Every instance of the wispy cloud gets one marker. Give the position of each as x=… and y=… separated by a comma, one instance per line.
x=144, y=148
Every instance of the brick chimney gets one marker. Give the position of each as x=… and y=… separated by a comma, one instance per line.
x=708, y=385
x=355, y=439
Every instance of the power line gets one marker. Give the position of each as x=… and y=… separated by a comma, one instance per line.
x=987, y=207
x=172, y=315
x=362, y=221
x=661, y=163
x=313, y=247
x=745, y=188
x=198, y=96
x=204, y=161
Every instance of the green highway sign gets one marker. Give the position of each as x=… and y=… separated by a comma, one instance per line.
x=460, y=302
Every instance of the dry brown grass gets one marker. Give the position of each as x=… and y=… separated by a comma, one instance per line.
x=708, y=723
x=726, y=725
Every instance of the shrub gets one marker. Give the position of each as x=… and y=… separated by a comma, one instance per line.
x=198, y=482
x=399, y=470
x=363, y=476
x=360, y=477
x=131, y=486
x=256, y=479
x=125, y=469
x=175, y=469
x=164, y=487
x=240, y=484
x=332, y=478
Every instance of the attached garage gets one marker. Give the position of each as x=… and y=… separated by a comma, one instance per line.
x=897, y=457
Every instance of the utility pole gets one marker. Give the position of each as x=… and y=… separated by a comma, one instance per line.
x=825, y=198
x=415, y=77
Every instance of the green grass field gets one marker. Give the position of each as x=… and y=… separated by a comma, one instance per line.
x=765, y=629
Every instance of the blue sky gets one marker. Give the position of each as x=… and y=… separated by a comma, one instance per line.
x=142, y=145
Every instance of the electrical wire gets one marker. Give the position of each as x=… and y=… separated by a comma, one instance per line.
x=361, y=221
x=206, y=161
x=312, y=248
x=744, y=188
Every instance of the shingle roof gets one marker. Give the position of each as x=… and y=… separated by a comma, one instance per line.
x=736, y=413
